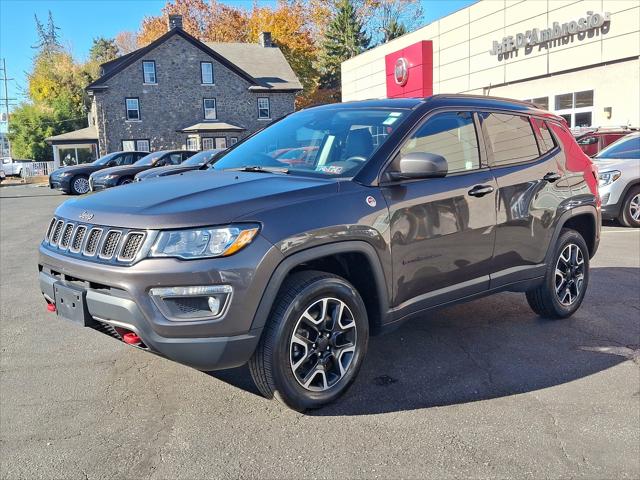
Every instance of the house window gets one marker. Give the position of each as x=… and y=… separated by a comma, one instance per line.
x=221, y=142
x=206, y=73
x=264, y=110
x=143, y=146
x=209, y=105
x=192, y=143
x=234, y=140
x=133, y=109
x=207, y=143
x=149, y=72
x=576, y=108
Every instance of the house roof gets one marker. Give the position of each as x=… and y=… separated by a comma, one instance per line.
x=212, y=127
x=88, y=134
x=267, y=63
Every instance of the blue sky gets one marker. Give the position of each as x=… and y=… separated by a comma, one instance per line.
x=80, y=21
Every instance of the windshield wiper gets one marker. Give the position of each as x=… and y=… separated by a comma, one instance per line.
x=259, y=169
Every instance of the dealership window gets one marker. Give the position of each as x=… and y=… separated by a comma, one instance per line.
x=149, y=71
x=541, y=102
x=133, y=108
x=221, y=142
x=264, y=109
x=509, y=138
x=206, y=73
x=207, y=143
x=576, y=108
x=192, y=143
x=234, y=140
x=451, y=135
x=209, y=105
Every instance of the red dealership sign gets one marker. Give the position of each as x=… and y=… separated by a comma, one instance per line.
x=410, y=71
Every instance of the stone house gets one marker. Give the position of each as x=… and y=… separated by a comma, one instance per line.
x=179, y=92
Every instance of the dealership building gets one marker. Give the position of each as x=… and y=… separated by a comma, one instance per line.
x=579, y=59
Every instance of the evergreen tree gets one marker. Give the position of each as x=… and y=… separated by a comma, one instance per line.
x=393, y=30
x=103, y=50
x=48, y=38
x=345, y=38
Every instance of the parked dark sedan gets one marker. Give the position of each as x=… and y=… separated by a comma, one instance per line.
x=74, y=179
x=111, y=177
x=199, y=160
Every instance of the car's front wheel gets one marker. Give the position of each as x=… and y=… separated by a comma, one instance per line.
x=314, y=342
x=80, y=185
x=566, y=278
x=125, y=181
x=630, y=213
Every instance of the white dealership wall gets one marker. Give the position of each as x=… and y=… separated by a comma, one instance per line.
x=607, y=63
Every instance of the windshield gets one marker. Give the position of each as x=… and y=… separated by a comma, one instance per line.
x=626, y=147
x=333, y=142
x=106, y=159
x=150, y=159
x=201, y=158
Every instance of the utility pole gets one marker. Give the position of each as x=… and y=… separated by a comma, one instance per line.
x=6, y=100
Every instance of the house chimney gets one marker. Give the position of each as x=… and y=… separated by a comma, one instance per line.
x=175, y=21
x=264, y=39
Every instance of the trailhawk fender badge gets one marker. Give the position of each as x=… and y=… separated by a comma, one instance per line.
x=371, y=201
x=86, y=216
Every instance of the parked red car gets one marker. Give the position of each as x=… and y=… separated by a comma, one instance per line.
x=592, y=141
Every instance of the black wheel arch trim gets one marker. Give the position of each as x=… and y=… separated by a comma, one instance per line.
x=588, y=209
x=315, y=253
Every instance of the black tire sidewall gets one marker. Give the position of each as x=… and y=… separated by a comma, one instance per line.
x=287, y=387
x=566, y=238
x=627, y=219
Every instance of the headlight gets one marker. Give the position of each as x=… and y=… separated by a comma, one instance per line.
x=65, y=174
x=607, y=178
x=110, y=177
x=203, y=242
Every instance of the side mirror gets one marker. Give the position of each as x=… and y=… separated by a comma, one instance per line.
x=421, y=165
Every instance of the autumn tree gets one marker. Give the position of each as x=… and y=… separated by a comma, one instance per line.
x=345, y=37
x=126, y=42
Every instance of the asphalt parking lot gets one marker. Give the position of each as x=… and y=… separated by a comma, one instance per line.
x=482, y=390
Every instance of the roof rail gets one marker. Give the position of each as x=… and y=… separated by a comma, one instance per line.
x=483, y=97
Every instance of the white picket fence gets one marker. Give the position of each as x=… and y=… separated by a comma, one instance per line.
x=33, y=169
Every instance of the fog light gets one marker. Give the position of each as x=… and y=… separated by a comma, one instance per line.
x=192, y=303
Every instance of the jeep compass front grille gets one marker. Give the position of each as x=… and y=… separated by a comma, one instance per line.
x=93, y=242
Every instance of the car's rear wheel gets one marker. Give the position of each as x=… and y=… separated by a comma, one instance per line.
x=630, y=212
x=80, y=185
x=314, y=342
x=566, y=278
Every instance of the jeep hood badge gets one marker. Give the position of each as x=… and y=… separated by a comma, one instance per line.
x=86, y=216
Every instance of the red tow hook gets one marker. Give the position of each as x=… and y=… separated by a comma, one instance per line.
x=131, y=338
x=51, y=307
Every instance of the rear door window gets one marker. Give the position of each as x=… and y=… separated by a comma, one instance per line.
x=509, y=138
x=175, y=159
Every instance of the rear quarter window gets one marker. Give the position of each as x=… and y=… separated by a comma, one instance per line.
x=545, y=139
x=509, y=138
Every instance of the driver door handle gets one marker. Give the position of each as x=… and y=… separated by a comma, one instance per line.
x=551, y=177
x=480, y=190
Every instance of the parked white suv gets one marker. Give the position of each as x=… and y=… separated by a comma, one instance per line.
x=11, y=167
x=619, y=167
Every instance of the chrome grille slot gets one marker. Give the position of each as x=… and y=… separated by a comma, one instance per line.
x=132, y=244
x=50, y=229
x=76, y=244
x=55, y=236
x=66, y=235
x=110, y=244
x=92, y=242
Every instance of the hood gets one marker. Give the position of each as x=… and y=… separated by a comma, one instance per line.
x=168, y=170
x=610, y=164
x=194, y=199
x=82, y=168
x=126, y=170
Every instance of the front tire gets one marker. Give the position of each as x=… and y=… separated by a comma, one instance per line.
x=79, y=185
x=314, y=342
x=566, y=278
x=630, y=213
x=125, y=181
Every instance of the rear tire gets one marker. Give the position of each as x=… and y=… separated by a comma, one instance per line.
x=79, y=185
x=630, y=212
x=566, y=278
x=313, y=343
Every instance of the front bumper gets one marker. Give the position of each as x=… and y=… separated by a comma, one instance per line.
x=60, y=183
x=119, y=296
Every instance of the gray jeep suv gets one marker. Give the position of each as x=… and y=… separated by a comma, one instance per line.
x=399, y=207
